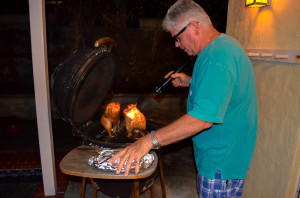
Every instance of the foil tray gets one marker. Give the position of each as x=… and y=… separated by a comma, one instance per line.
x=101, y=161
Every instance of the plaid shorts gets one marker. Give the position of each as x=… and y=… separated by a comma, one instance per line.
x=217, y=188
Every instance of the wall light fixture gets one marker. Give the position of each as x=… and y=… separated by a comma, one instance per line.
x=257, y=3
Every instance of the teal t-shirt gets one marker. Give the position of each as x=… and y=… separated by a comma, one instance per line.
x=223, y=92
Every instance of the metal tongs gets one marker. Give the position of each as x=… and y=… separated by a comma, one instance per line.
x=159, y=89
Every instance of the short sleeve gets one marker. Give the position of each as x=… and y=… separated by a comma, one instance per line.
x=210, y=93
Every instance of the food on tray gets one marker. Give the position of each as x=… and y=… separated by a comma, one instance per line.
x=134, y=119
x=101, y=161
x=110, y=119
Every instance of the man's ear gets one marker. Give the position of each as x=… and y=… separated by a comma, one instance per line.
x=195, y=26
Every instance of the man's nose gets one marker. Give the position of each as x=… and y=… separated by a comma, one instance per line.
x=177, y=44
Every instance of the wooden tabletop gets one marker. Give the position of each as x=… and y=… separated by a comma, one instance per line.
x=76, y=163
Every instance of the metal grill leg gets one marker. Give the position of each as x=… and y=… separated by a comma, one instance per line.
x=162, y=178
x=152, y=191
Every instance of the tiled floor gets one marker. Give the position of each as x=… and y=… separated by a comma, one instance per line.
x=20, y=163
x=62, y=180
x=20, y=160
x=17, y=163
x=20, y=157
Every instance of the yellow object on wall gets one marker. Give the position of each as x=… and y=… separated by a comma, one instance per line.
x=257, y=3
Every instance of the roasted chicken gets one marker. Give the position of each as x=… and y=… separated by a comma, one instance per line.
x=134, y=119
x=110, y=119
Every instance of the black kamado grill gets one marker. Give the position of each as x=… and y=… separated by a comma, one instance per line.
x=80, y=86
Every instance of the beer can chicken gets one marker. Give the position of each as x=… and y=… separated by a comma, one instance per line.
x=134, y=119
x=110, y=119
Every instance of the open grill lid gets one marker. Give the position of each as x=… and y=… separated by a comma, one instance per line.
x=81, y=83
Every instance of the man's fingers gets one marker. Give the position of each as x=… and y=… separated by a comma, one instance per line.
x=131, y=154
x=179, y=76
x=137, y=166
x=116, y=156
x=128, y=165
x=168, y=74
x=121, y=163
x=175, y=83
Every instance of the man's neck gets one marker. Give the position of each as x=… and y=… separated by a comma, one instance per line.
x=210, y=35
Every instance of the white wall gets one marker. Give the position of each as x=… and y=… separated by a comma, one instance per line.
x=276, y=164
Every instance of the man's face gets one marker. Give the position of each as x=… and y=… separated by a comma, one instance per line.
x=183, y=39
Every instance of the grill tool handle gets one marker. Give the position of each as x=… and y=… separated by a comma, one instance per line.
x=159, y=89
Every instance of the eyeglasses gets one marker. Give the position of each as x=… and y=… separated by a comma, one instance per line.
x=180, y=32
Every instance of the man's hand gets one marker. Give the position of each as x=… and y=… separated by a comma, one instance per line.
x=180, y=79
x=133, y=154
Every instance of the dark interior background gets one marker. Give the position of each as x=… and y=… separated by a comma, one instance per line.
x=145, y=53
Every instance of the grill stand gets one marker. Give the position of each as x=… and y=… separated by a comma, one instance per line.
x=74, y=163
x=136, y=187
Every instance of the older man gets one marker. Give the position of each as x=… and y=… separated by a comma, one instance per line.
x=221, y=113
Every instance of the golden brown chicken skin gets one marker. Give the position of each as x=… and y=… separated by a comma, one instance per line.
x=134, y=119
x=110, y=119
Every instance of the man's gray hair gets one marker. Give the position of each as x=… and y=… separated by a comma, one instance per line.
x=183, y=12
